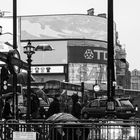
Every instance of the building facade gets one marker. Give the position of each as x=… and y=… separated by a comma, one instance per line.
x=135, y=79
x=123, y=75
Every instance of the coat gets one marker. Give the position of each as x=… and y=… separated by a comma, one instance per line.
x=54, y=107
x=76, y=110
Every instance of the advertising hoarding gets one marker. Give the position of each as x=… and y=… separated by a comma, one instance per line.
x=56, y=56
x=87, y=72
x=88, y=63
x=47, y=69
x=63, y=27
x=86, y=54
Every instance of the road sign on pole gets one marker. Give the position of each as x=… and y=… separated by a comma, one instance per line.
x=14, y=61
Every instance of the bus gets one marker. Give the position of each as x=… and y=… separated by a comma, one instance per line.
x=52, y=87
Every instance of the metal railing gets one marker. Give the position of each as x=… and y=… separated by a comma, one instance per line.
x=82, y=130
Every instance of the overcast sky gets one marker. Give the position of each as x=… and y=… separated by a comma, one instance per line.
x=126, y=16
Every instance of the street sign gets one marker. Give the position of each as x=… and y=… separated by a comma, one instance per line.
x=19, y=63
x=14, y=61
x=24, y=135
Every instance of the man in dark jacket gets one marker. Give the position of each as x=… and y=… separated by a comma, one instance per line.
x=54, y=106
x=7, y=114
x=76, y=107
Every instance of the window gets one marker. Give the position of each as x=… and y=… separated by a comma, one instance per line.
x=94, y=103
x=126, y=103
x=103, y=103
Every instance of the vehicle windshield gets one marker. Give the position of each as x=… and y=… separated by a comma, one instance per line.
x=126, y=103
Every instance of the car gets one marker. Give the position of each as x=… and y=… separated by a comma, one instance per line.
x=97, y=108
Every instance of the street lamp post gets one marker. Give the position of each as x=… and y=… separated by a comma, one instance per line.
x=29, y=50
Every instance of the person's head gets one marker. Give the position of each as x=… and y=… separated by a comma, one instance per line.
x=8, y=99
x=57, y=96
x=75, y=98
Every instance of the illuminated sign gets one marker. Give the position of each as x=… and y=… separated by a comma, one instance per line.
x=47, y=69
x=63, y=26
x=80, y=54
x=87, y=72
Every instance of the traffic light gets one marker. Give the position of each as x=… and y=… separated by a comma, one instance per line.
x=4, y=78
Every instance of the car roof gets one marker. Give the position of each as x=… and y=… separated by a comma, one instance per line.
x=116, y=98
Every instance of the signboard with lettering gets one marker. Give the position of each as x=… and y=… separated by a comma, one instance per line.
x=47, y=69
x=24, y=135
x=86, y=54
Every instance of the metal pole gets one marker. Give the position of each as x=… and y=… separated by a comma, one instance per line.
x=110, y=62
x=82, y=91
x=14, y=24
x=1, y=101
x=15, y=98
x=29, y=88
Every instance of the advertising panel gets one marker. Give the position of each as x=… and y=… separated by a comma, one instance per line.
x=63, y=27
x=87, y=72
x=86, y=54
x=56, y=56
x=47, y=69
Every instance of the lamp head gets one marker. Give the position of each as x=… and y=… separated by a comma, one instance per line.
x=29, y=49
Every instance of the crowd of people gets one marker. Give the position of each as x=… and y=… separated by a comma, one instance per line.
x=38, y=112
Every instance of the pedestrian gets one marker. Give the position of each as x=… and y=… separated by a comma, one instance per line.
x=1, y=106
x=35, y=105
x=42, y=112
x=54, y=106
x=7, y=113
x=76, y=106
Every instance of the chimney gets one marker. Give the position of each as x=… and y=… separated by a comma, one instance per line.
x=90, y=12
x=102, y=15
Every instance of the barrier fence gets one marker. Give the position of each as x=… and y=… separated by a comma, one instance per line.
x=81, y=130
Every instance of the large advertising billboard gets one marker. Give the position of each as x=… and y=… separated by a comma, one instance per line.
x=63, y=27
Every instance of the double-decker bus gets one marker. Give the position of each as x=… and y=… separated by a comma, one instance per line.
x=52, y=87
